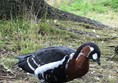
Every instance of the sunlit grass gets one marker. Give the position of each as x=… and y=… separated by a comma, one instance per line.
x=86, y=6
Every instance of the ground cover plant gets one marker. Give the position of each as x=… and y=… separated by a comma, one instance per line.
x=26, y=35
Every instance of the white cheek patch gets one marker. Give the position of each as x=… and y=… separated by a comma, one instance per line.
x=91, y=48
x=95, y=56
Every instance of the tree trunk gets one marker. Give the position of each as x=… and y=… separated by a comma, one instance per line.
x=39, y=8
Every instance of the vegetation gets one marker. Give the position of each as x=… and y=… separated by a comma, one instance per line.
x=25, y=35
x=86, y=6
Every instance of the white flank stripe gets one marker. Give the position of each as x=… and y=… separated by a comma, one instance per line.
x=48, y=66
x=30, y=64
x=35, y=62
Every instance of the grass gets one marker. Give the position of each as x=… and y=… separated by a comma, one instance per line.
x=86, y=6
x=21, y=36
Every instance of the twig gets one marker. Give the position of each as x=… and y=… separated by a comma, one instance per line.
x=7, y=77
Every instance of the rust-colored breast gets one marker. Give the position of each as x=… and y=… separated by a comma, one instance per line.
x=77, y=68
x=82, y=66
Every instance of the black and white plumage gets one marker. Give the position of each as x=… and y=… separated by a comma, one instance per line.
x=53, y=72
x=31, y=61
x=50, y=64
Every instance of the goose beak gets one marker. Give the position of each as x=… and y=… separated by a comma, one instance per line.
x=98, y=61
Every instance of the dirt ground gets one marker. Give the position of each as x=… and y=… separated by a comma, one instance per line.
x=107, y=72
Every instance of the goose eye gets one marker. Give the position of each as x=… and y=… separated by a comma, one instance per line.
x=95, y=56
